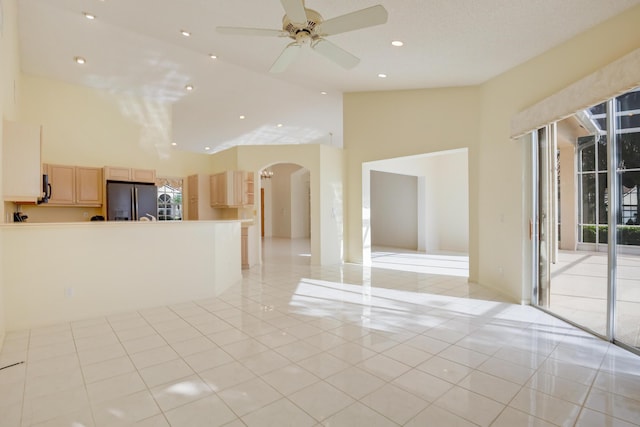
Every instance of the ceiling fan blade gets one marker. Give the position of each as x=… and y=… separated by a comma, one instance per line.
x=363, y=18
x=335, y=53
x=288, y=55
x=238, y=31
x=295, y=11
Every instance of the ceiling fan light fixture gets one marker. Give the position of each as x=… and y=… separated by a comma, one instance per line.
x=382, y=75
x=306, y=27
x=189, y=88
x=89, y=16
x=185, y=33
x=397, y=43
x=207, y=148
x=212, y=56
x=242, y=117
x=79, y=60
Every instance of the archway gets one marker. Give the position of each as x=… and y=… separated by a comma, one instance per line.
x=285, y=212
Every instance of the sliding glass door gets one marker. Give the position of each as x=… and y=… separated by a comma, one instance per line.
x=588, y=237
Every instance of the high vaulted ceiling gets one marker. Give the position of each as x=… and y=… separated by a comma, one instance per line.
x=136, y=47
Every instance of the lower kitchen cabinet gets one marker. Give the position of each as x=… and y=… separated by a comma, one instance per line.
x=247, y=246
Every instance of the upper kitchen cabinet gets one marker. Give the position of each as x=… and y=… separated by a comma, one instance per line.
x=21, y=162
x=112, y=173
x=89, y=185
x=75, y=185
x=62, y=181
x=232, y=189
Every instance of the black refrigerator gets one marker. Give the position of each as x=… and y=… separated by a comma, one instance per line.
x=128, y=201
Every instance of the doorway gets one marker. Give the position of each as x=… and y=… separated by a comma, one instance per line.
x=586, y=231
x=416, y=213
x=285, y=214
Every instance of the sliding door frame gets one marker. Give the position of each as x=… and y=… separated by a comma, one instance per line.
x=536, y=222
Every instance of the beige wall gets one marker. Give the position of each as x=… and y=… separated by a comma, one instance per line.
x=90, y=127
x=502, y=189
x=9, y=87
x=393, y=124
x=58, y=273
x=325, y=165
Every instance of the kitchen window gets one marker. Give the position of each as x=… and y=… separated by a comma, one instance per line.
x=169, y=199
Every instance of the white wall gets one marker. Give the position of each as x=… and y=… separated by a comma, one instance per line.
x=9, y=93
x=394, y=210
x=268, y=207
x=300, y=204
x=442, y=201
x=450, y=206
x=281, y=207
x=63, y=272
x=325, y=165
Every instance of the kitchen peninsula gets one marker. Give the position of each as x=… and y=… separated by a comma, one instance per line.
x=60, y=272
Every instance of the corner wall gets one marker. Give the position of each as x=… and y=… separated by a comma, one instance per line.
x=502, y=187
x=392, y=124
x=9, y=87
x=398, y=123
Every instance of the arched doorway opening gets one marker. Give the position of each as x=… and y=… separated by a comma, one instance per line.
x=285, y=213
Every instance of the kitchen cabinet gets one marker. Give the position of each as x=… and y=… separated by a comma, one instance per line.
x=62, y=180
x=199, y=203
x=244, y=247
x=89, y=186
x=113, y=173
x=75, y=185
x=21, y=162
x=143, y=175
x=247, y=245
x=232, y=189
x=192, y=188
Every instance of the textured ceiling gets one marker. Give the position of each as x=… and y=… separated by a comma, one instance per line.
x=135, y=47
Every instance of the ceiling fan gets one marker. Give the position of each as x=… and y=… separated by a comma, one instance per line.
x=307, y=28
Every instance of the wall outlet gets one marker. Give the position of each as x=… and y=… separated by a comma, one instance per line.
x=68, y=292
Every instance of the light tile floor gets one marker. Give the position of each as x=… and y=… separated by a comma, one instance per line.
x=299, y=345
x=579, y=292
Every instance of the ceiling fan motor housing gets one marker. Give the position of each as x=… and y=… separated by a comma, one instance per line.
x=303, y=32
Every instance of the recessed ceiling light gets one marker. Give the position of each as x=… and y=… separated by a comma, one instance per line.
x=185, y=33
x=80, y=60
x=212, y=56
x=207, y=148
x=242, y=117
x=189, y=87
x=89, y=16
x=279, y=125
x=174, y=143
x=323, y=93
x=397, y=43
x=382, y=76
